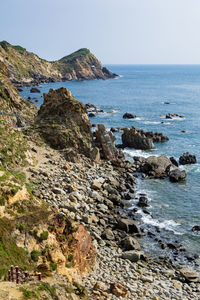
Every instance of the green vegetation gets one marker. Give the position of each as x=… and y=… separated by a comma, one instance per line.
x=35, y=255
x=4, y=45
x=44, y=235
x=29, y=294
x=74, y=55
x=70, y=257
x=19, y=48
x=45, y=286
x=69, y=265
x=53, y=266
x=10, y=254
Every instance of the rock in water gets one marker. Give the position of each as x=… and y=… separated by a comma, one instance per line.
x=128, y=116
x=132, y=138
x=177, y=175
x=140, y=139
x=63, y=122
x=187, y=158
x=34, y=90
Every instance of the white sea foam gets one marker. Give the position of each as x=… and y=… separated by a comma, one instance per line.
x=166, y=224
x=151, y=122
x=141, y=153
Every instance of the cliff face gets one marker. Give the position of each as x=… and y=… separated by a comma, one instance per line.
x=26, y=68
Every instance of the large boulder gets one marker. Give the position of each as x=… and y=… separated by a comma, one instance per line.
x=128, y=225
x=105, y=140
x=63, y=122
x=128, y=116
x=187, y=158
x=156, y=166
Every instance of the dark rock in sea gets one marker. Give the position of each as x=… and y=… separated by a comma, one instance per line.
x=174, y=162
x=155, y=166
x=89, y=105
x=134, y=139
x=177, y=175
x=129, y=116
x=128, y=225
x=196, y=228
x=114, y=129
x=139, y=139
x=94, y=125
x=34, y=90
x=19, y=89
x=166, y=102
x=171, y=116
x=187, y=158
x=91, y=115
x=143, y=201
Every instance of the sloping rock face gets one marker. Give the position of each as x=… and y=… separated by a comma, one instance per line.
x=26, y=68
x=105, y=140
x=63, y=122
x=13, y=109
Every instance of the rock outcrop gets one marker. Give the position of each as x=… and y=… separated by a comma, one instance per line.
x=26, y=68
x=139, y=139
x=63, y=121
x=105, y=140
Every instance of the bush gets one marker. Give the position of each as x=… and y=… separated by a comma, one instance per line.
x=35, y=255
x=53, y=266
x=44, y=235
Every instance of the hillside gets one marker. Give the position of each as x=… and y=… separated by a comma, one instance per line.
x=26, y=68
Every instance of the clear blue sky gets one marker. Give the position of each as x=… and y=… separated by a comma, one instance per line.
x=116, y=31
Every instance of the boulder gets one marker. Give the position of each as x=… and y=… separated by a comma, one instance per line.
x=189, y=275
x=173, y=161
x=177, y=175
x=130, y=243
x=118, y=289
x=187, y=158
x=156, y=166
x=128, y=225
x=128, y=116
x=34, y=90
x=132, y=255
x=196, y=228
x=143, y=201
x=91, y=115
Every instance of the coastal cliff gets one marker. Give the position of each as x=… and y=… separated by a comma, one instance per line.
x=26, y=68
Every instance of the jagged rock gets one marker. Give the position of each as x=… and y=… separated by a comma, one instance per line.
x=91, y=115
x=34, y=90
x=63, y=122
x=139, y=139
x=174, y=162
x=134, y=139
x=177, y=175
x=105, y=140
x=171, y=116
x=128, y=225
x=187, y=158
x=129, y=116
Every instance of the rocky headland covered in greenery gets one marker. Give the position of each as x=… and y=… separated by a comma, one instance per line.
x=64, y=194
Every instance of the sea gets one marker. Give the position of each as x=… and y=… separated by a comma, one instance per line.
x=143, y=90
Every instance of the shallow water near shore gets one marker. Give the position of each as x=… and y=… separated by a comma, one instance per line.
x=142, y=91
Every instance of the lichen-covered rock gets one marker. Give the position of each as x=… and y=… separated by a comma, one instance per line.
x=63, y=122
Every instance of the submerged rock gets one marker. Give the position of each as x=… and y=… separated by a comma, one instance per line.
x=34, y=90
x=129, y=116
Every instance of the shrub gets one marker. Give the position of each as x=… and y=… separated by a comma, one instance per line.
x=44, y=235
x=35, y=255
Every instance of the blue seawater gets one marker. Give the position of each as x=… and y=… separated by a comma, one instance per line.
x=142, y=91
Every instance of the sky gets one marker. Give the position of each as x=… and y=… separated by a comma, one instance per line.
x=116, y=31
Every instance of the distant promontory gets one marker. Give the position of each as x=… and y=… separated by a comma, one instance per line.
x=26, y=68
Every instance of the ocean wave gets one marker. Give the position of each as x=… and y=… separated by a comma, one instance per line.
x=152, y=122
x=141, y=153
x=166, y=224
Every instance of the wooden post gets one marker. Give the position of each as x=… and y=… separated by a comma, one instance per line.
x=12, y=272
x=17, y=277
x=39, y=276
